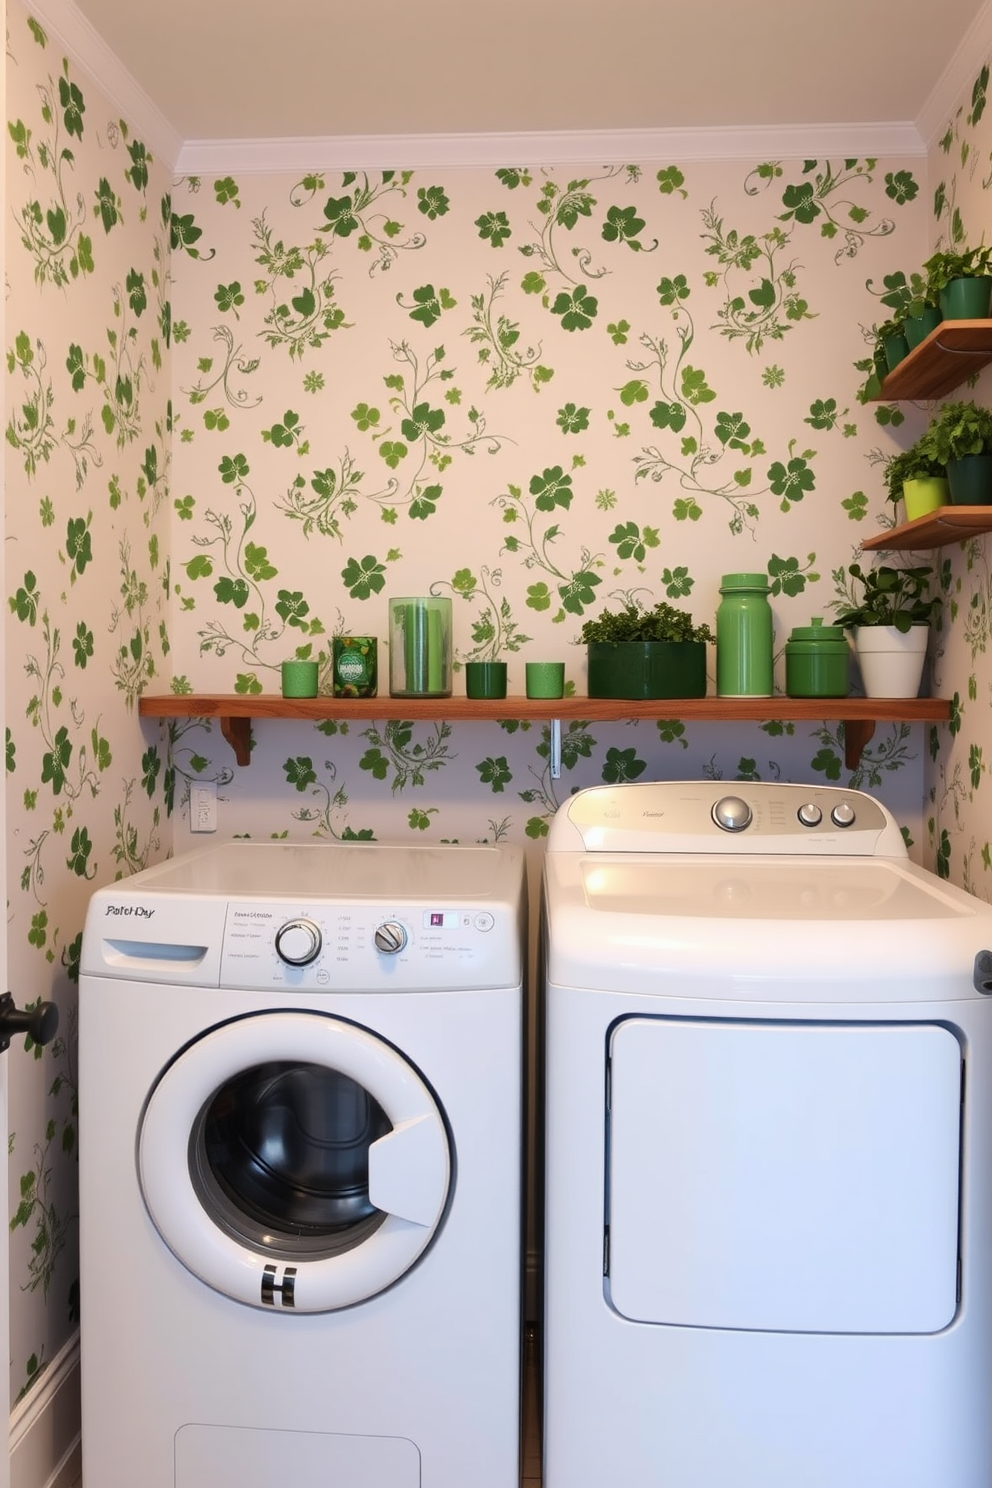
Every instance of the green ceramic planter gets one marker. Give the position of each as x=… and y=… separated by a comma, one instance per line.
x=917, y=328
x=647, y=669
x=925, y=494
x=970, y=480
x=896, y=349
x=966, y=299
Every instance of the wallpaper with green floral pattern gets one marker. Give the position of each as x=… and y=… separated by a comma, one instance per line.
x=246, y=410
x=958, y=807
x=87, y=521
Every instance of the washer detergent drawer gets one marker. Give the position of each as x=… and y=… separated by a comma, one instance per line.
x=783, y=1176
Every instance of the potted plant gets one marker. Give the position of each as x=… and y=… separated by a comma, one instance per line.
x=641, y=653
x=889, y=612
x=961, y=283
x=918, y=477
x=890, y=341
x=960, y=436
x=922, y=310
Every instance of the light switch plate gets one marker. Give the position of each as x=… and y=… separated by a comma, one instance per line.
x=203, y=806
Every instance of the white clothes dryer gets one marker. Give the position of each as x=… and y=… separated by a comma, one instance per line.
x=300, y=1169
x=768, y=1147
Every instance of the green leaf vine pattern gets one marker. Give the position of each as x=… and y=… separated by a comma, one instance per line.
x=575, y=589
x=359, y=211
x=53, y=234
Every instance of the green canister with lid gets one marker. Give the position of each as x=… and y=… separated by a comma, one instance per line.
x=816, y=661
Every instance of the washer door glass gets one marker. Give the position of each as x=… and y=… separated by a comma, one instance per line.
x=291, y=1160
x=280, y=1157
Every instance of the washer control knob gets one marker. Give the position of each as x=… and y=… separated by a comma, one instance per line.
x=732, y=814
x=298, y=942
x=810, y=814
x=390, y=938
x=843, y=815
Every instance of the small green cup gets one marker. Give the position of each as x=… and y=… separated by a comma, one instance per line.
x=485, y=679
x=299, y=679
x=545, y=679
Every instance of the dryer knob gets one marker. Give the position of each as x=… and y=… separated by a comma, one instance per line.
x=843, y=815
x=732, y=814
x=298, y=942
x=390, y=938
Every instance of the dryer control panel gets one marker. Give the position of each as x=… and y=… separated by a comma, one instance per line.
x=668, y=816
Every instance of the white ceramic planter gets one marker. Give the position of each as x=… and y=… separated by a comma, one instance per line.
x=891, y=660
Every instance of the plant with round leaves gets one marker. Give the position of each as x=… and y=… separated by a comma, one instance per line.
x=889, y=596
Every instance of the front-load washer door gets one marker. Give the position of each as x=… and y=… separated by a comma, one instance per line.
x=292, y=1160
x=784, y=1176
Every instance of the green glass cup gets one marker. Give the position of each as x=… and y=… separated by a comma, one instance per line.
x=545, y=679
x=485, y=679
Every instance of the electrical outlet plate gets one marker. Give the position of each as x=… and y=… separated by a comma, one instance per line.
x=203, y=806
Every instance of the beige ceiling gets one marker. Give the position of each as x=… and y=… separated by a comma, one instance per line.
x=279, y=69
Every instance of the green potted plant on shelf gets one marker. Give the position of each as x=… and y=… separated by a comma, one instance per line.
x=641, y=653
x=960, y=282
x=888, y=611
x=917, y=477
x=960, y=436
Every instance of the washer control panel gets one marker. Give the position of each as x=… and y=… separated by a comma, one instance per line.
x=335, y=946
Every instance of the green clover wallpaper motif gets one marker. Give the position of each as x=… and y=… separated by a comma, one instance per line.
x=88, y=451
x=245, y=410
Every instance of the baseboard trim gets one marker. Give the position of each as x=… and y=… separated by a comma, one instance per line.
x=45, y=1448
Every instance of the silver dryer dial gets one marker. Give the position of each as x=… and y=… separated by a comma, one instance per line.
x=390, y=938
x=298, y=942
x=732, y=814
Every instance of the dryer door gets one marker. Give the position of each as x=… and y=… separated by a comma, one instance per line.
x=292, y=1160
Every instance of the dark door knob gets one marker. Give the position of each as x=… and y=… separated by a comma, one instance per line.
x=41, y=1021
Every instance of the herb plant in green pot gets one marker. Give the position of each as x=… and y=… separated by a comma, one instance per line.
x=918, y=478
x=960, y=437
x=888, y=610
x=638, y=653
x=961, y=283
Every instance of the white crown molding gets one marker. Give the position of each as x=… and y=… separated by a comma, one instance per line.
x=65, y=24
x=587, y=147
x=956, y=81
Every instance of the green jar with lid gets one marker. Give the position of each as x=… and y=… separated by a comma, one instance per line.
x=816, y=661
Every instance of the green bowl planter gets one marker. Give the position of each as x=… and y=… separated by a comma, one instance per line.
x=966, y=299
x=647, y=669
x=970, y=480
x=917, y=328
x=925, y=494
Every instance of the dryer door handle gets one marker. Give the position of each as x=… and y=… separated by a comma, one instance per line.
x=40, y=1022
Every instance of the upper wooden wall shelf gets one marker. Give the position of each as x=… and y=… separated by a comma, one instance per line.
x=948, y=356
x=235, y=711
x=938, y=528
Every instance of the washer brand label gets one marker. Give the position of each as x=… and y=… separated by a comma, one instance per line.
x=273, y=1287
x=137, y=910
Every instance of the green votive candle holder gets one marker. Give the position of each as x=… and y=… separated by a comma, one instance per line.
x=299, y=679
x=485, y=679
x=545, y=679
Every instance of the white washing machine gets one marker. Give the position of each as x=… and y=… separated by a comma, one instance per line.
x=769, y=1147
x=300, y=1148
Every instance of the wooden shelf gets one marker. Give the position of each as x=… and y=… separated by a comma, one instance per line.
x=949, y=355
x=935, y=530
x=236, y=711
